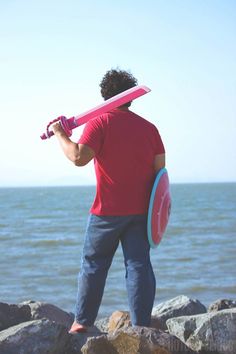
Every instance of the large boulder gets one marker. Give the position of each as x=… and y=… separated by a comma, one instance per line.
x=213, y=332
x=135, y=340
x=41, y=310
x=35, y=337
x=11, y=315
x=221, y=304
x=178, y=306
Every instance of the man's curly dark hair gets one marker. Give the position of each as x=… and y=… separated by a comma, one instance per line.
x=116, y=81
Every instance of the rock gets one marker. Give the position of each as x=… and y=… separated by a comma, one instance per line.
x=118, y=320
x=35, y=337
x=223, y=304
x=78, y=340
x=41, y=310
x=213, y=332
x=11, y=315
x=98, y=345
x=135, y=340
x=178, y=306
x=149, y=340
x=102, y=324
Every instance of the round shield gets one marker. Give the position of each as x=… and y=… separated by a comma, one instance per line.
x=159, y=208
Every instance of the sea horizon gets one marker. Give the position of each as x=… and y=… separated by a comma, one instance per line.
x=48, y=185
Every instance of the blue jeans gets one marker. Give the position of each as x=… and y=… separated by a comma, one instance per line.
x=102, y=238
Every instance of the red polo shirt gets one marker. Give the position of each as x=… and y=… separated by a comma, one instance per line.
x=125, y=146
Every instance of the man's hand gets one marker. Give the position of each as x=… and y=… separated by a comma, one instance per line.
x=57, y=129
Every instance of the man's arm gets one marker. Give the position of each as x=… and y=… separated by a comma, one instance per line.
x=159, y=162
x=79, y=154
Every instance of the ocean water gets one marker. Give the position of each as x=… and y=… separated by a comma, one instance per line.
x=42, y=233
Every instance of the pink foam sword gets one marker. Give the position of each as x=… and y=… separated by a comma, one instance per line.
x=71, y=123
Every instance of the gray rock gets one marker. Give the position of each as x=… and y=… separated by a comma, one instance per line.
x=35, y=337
x=11, y=315
x=222, y=304
x=102, y=324
x=135, y=340
x=213, y=332
x=178, y=306
x=78, y=340
x=41, y=310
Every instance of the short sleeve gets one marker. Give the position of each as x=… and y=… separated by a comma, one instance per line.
x=92, y=135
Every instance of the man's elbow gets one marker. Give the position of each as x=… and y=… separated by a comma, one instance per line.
x=83, y=155
x=159, y=162
x=79, y=162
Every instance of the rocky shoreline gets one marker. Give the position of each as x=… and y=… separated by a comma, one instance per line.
x=180, y=325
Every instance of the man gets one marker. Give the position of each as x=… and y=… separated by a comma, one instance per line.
x=127, y=152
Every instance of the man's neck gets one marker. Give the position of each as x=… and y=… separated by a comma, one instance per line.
x=123, y=108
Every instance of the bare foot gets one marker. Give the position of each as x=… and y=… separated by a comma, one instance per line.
x=77, y=328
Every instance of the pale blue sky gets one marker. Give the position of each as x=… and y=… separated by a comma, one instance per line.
x=54, y=53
